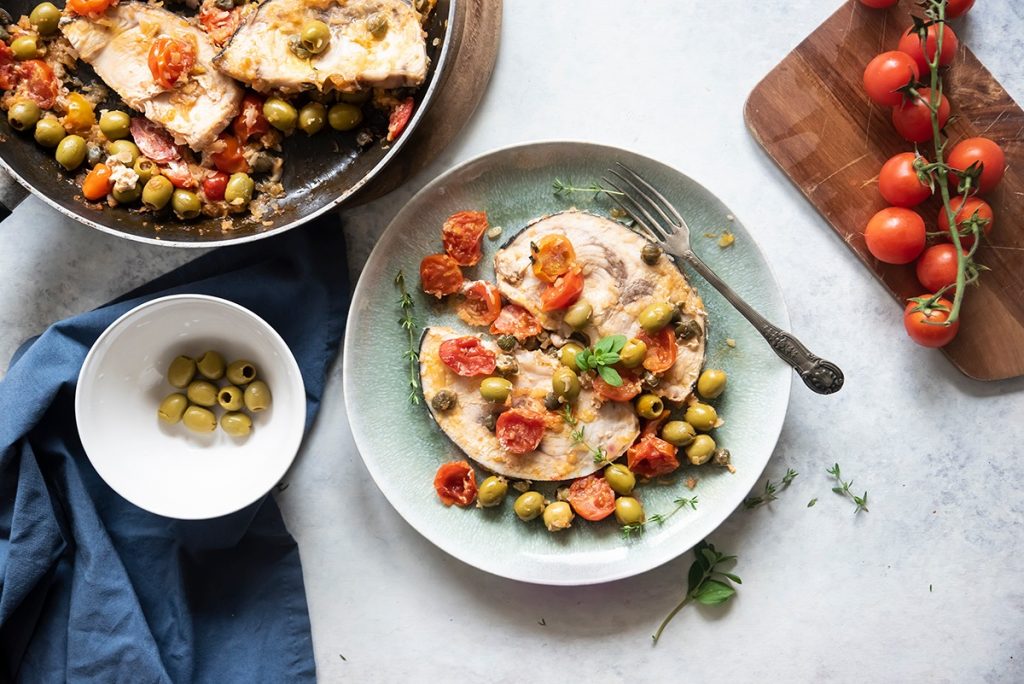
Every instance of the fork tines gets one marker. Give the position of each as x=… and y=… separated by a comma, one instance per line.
x=644, y=199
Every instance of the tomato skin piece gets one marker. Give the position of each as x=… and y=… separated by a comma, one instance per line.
x=230, y=159
x=520, y=431
x=38, y=82
x=983, y=150
x=895, y=235
x=455, y=483
x=887, y=72
x=250, y=121
x=910, y=43
x=958, y=8
x=169, y=60
x=219, y=24
x=214, y=186
x=936, y=268
x=878, y=4
x=661, y=349
x=97, y=183
x=628, y=391
x=467, y=356
x=591, y=497
x=440, y=275
x=964, y=211
x=652, y=457
x=563, y=292
x=929, y=334
x=462, y=234
x=912, y=119
x=399, y=118
x=899, y=184
x=554, y=256
x=481, y=304
x=516, y=321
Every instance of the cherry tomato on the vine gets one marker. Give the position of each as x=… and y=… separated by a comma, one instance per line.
x=886, y=73
x=910, y=43
x=958, y=8
x=895, y=235
x=982, y=151
x=912, y=118
x=899, y=183
x=963, y=212
x=937, y=267
x=926, y=325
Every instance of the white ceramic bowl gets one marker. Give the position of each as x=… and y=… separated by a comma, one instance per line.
x=167, y=469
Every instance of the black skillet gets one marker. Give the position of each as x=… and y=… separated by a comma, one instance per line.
x=320, y=171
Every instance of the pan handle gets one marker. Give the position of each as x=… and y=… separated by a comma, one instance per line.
x=11, y=193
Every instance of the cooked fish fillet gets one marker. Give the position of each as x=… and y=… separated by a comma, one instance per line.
x=260, y=52
x=617, y=283
x=117, y=46
x=612, y=426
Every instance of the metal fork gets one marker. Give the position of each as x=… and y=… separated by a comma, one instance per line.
x=639, y=199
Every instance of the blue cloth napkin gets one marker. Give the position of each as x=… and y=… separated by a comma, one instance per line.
x=96, y=589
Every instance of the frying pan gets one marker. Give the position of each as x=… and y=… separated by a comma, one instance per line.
x=320, y=171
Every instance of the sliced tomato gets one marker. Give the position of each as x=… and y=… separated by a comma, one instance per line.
x=440, y=275
x=564, y=291
x=219, y=24
x=467, y=356
x=551, y=257
x=169, y=60
x=153, y=141
x=592, y=498
x=37, y=81
x=400, y=115
x=462, y=234
x=455, y=483
x=230, y=159
x=627, y=391
x=179, y=174
x=520, y=430
x=481, y=303
x=516, y=321
x=214, y=186
x=652, y=457
x=661, y=349
x=90, y=8
x=250, y=121
x=8, y=67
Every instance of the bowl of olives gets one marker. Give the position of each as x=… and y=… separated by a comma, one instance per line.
x=190, y=406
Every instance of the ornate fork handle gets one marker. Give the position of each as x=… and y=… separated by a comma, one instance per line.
x=824, y=377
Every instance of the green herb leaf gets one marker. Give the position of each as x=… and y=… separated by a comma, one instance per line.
x=713, y=592
x=610, y=375
x=617, y=343
x=694, y=577
x=733, y=577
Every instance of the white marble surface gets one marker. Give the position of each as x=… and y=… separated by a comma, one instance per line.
x=925, y=587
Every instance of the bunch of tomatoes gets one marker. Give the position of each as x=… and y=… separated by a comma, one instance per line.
x=907, y=81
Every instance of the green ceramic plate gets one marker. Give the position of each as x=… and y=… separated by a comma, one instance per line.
x=402, y=447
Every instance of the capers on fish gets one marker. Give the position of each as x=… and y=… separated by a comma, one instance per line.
x=688, y=329
x=578, y=315
x=529, y=505
x=700, y=450
x=181, y=371
x=558, y=516
x=492, y=491
x=711, y=383
x=377, y=25
x=495, y=389
x=565, y=383
x=23, y=115
x=444, y=400
x=490, y=421
x=551, y=402
x=633, y=353
x=721, y=457
x=172, y=408
x=701, y=416
x=650, y=254
x=656, y=316
x=678, y=433
x=93, y=154
x=620, y=478
x=507, y=342
x=649, y=406
x=628, y=511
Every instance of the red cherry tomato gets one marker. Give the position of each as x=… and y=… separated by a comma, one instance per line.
x=957, y=8
x=937, y=267
x=250, y=121
x=886, y=73
x=910, y=43
x=455, y=483
x=400, y=115
x=913, y=119
x=169, y=60
x=591, y=497
x=980, y=151
x=652, y=457
x=440, y=275
x=563, y=292
x=462, y=234
x=627, y=391
x=879, y=4
x=481, y=303
x=467, y=356
x=661, y=349
x=895, y=235
x=39, y=82
x=230, y=158
x=214, y=186
x=964, y=211
x=516, y=321
x=520, y=430
x=926, y=326
x=899, y=183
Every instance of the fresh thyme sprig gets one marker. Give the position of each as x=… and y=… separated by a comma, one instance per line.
x=633, y=529
x=409, y=324
x=577, y=436
x=602, y=357
x=706, y=584
x=771, y=490
x=564, y=189
x=843, y=488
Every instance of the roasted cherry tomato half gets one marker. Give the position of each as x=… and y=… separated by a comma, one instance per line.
x=399, y=118
x=652, y=457
x=516, y=321
x=627, y=391
x=455, y=483
x=467, y=356
x=661, y=349
x=250, y=121
x=169, y=60
x=440, y=275
x=591, y=497
x=462, y=234
x=214, y=186
x=551, y=257
x=520, y=430
x=230, y=159
x=563, y=292
x=481, y=303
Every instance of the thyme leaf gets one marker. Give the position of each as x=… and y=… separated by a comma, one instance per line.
x=408, y=323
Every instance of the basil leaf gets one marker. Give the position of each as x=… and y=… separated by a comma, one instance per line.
x=710, y=556
x=603, y=345
x=610, y=375
x=608, y=359
x=713, y=592
x=733, y=577
x=695, y=576
x=698, y=553
x=617, y=342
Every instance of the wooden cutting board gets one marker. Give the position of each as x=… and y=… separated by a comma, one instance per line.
x=812, y=116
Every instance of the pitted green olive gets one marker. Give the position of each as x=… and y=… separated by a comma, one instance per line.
x=257, y=396
x=567, y=355
x=565, y=383
x=656, y=316
x=202, y=392
x=711, y=383
x=529, y=505
x=23, y=115
x=211, y=365
x=495, y=389
x=71, y=152
x=172, y=408
x=628, y=511
x=185, y=203
x=312, y=118
x=703, y=417
x=115, y=125
x=45, y=17
x=241, y=372
x=633, y=353
x=124, y=150
x=127, y=195
x=558, y=516
x=181, y=371
x=239, y=189
x=578, y=315
x=199, y=419
x=236, y=424
x=230, y=398
x=49, y=132
x=678, y=433
x=492, y=491
x=145, y=168
x=280, y=114
x=700, y=449
x=157, y=193
x=344, y=116
x=315, y=36
x=24, y=47
x=620, y=478
x=649, y=406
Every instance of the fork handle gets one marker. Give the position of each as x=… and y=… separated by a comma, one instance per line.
x=824, y=377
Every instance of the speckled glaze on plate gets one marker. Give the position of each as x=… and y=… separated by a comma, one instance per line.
x=401, y=445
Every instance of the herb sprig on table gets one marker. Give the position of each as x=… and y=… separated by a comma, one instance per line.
x=409, y=324
x=602, y=357
x=631, y=530
x=843, y=488
x=771, y=490
x=706, y=583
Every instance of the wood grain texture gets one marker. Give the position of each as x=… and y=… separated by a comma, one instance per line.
x=811, y=115
x=474, y=50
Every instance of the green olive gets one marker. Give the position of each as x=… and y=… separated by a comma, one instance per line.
x=678, y=433
x=181, y=371
x=172, y=408
x=280, y=114
x=45, y=17
x=492, y=491
x=239, y=189
x=650, y=254
x=344, y=116
x=444, y=400
x=656, y=316
x=49, y=132
x=23, y=115
x=125, y=195
x=558, y=516
x=230, y=398
x=202, y=392
x=145, y=168
x=568, y=354
x=199, y=419
x=529, y=505
x=236, y=424
x=495, y=389
x=71, y=152
x=628, y=511
x=620, y=478
x=241, y=372
x=185, y=203
x=115, y=124
x=711, y=383
x=211, y=365
x=633, y=353
x=565, y=383
x=649, y=406
x=24, y=47
x=257, y=396
x=315, y=36
x=124, y=151
x=700, y=450
x=578, y=315
x=359, y=97
x=312, y=118
x=701, y=416
x=157, y=192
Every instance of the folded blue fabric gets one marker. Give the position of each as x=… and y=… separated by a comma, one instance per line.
x=96, y=589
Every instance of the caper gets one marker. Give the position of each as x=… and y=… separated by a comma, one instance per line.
x=529, y=505
x=506, y=342
x=145, y=168
x=115, y=125
x=124, y=151
x=700, y=449
x=649, y=406
x=263, y=162
x=633, y=353
x=45, y=17
x=495, y=389
x=125, y=194
x=444, y=400
x=202, y=392
x=280, y=114
x=23, y=115
x=181, y=371
x=558, y=516
x=551, y=402
x=678, y=433
x=531, y=343
x=315, y=36
x=565, y=383
x=230, y=398
x=650, y=254
x=567, y=355
x=344, y=116
x=490, y=421
x=649, y=380
x=49, y=132
x=492, y=491
x=226, y=5
x=236, y=423
x=157, y=192
x=688, y=330
x=93, y=154
x=721, y=457
x=312, y=118
x=711, y=383
x=620, y=478
x=71, y=152
x=211, y=365
x=172, y=408
x=199, y=419
x=578, y=315
x=24, y=47
x=4, y=35
x=701, y=416
x=656, y=316
x=377, y=25
x=628, y=511
x=506, y=364
x=257, y=396
x=241, y=372
x=239, y=189
x=185, y=203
